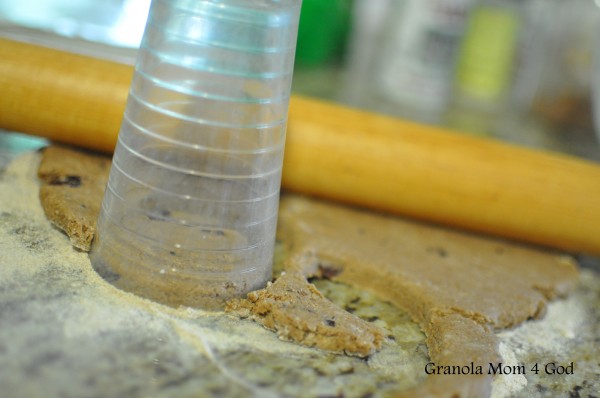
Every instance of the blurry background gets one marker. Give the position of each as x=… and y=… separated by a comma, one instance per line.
x=517, y=70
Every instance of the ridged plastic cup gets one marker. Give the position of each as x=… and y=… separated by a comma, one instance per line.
x=190, y=210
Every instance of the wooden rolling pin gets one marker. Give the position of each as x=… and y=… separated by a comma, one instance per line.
x=338, y=153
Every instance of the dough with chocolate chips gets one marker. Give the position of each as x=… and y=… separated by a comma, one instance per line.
x=72, y=186
x=459, y=288
x=297, y=311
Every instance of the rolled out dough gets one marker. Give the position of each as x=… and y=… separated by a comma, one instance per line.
x=459, y=288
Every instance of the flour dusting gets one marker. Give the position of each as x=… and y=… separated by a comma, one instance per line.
x=67, y=332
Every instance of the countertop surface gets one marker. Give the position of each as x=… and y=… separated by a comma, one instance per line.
x=67, y=333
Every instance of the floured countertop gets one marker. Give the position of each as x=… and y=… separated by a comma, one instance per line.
x=67, y=332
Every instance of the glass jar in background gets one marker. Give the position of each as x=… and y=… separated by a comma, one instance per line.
x=563, y=102
x=417, y=56
x=497, y=66
x=368, y=21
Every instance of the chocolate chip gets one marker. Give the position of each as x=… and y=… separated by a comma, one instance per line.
x=328, y=271
x=72, y=181
x=440, y=251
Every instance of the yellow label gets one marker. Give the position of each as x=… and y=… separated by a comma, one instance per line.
x=487, y=55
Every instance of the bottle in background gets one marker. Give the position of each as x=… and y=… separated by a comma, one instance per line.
x=417, y=56
x=322, y=31
x=498, y=65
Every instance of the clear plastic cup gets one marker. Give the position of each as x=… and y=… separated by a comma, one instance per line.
x=190, y=209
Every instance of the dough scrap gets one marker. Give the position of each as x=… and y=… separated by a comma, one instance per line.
x=297, y=311
x=71, y=192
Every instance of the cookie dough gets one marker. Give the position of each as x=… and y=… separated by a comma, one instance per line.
x=71, y=192
x=297, y=311
x=459, y=288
